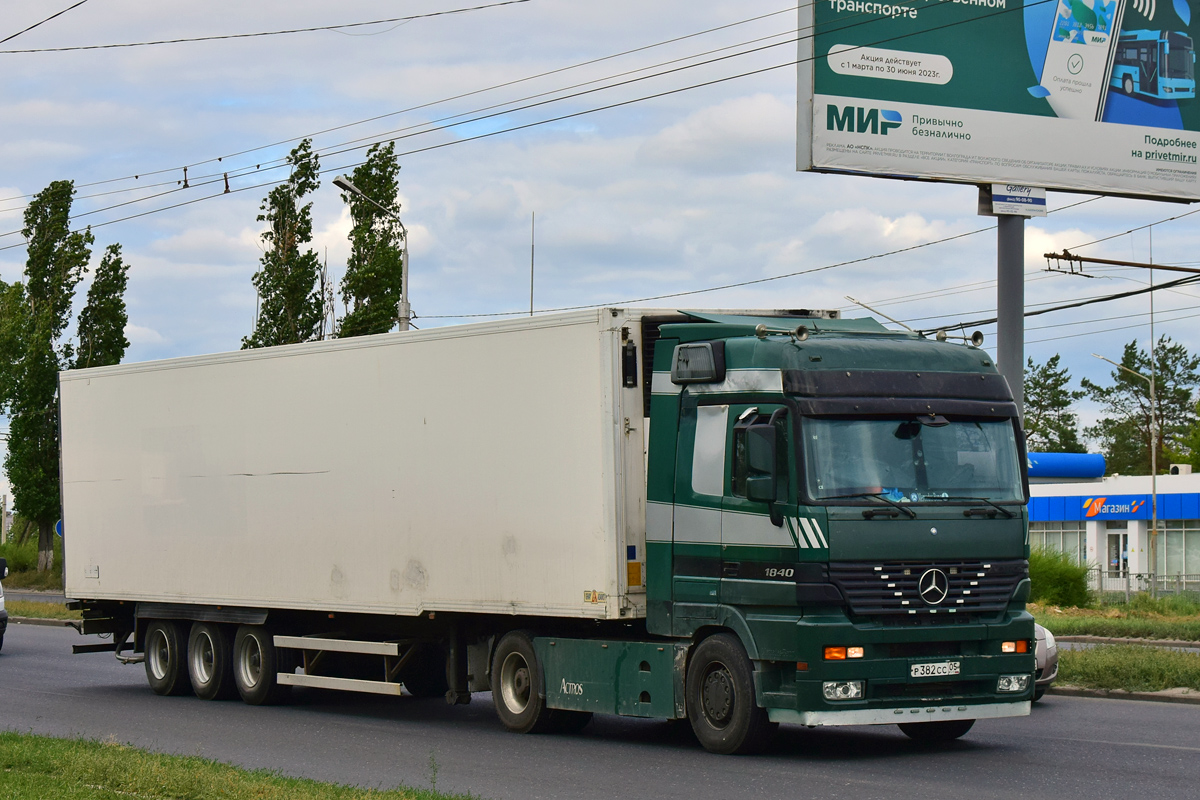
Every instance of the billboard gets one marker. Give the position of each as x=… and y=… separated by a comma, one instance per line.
x=1085, y=95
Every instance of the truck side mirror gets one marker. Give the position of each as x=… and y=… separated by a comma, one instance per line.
x=3, y=567
x=761, y=444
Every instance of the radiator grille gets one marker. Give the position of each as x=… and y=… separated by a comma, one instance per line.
x=893, y=590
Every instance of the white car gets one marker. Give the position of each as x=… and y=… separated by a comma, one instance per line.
x=1046, y=650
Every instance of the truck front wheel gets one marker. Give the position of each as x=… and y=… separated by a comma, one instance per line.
x=210, y=663
x=166, y=665
x=517, y=685
x=936, y=732
x=256, y=664
x=720, y=698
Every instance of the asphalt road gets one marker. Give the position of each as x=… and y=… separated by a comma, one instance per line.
x=1083, y=748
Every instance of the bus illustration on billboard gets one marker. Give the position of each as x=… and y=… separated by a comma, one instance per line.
x=1156, y=64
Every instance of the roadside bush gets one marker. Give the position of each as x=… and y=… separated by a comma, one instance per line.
x=23, y=557
x=1057, y=579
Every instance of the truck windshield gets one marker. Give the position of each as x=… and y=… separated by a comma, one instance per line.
x=907, y=460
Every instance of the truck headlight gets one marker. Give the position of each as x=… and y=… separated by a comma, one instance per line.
x=1013, y=683
x=842, y=690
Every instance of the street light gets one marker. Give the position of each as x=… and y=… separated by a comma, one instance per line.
x=1153, y=464
x=403, y=311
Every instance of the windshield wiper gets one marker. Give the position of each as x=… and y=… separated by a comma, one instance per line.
x=969, y=511
x=878, y=496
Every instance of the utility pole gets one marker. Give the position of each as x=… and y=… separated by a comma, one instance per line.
x=532, y=239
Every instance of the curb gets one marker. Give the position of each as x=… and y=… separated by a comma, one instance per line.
x=1118, y=640
x=1182, y=696
x=65, y=623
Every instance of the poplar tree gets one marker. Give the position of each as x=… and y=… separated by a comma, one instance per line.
x=102, y=322
x=289, y=280
x=36, y=314
x=371, y=286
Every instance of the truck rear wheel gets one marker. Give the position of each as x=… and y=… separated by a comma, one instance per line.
x=166, y=664
x=517, y=685
x=721, y=705
x=210, y=662
x=256, y=664
x=936, y=732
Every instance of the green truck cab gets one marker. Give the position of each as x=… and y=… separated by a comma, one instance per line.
x=836, y=526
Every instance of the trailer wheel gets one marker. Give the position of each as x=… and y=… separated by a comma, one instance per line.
x=720, y=698
x=256, y=663
x=1128, y=86
x=517, y=685
x=936, y=732
x=425, y=674
x=210, y=663
x=166, y=664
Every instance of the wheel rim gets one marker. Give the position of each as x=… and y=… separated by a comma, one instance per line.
x=515, y=683
x=158, y=654
x=203, y=658
x=250, y=662
x=717, y=695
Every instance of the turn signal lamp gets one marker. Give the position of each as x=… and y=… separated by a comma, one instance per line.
x=1019, y=646
x=842, y=653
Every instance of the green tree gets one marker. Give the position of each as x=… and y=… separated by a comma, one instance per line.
x=1051, y=425
x=371, y=286
x=288, y=283
x=37, y=313
x=1125, y=433
x=102, y=322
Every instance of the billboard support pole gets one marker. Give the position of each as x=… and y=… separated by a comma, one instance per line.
x=1010, y=304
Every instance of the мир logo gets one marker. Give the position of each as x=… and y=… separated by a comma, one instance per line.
x=855, y=119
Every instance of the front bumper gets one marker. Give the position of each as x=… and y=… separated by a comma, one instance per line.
x=888, y=716
x=792, y=691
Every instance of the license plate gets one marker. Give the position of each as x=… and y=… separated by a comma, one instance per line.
x=938, y=668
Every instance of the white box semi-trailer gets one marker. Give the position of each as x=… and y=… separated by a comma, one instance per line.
x=493, y=468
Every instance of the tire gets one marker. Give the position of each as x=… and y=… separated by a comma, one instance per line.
x=166, y=660
x=936, y=732
x=256, y=663
x=1128, y=86
x=517, y=685
x=210, y=661
x=425, y=674
x=1038, y=692
x=720, y=698
x=1, y=641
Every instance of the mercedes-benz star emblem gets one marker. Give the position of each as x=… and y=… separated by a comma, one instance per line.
x=933, y=586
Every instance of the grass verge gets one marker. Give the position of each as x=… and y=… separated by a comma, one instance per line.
x=32, y=608
x=1121, y=622
x=36, y=767
x=32, y=579
x=1129, y=667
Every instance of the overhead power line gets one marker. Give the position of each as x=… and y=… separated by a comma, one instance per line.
x=254, y=35
x=43, y=22
x=1078, y=304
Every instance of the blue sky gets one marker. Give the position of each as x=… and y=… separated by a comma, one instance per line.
x=690, y=190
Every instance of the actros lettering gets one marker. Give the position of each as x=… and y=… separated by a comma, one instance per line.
x=571, y=688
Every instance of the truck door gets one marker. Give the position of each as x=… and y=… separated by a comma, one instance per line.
x=699, y=489
x=754, y=548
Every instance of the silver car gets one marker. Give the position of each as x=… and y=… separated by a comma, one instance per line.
x=1046, y=650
